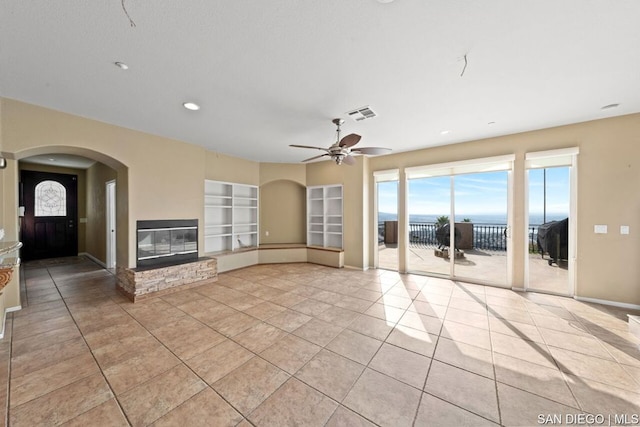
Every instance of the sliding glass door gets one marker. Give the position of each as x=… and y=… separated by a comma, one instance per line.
x=386, y=201
x=551, y=221
x=459, y=220
x=429, y=206
x=481, y=227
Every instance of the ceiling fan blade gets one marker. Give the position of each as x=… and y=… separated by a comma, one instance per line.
x=348, y=160
x=371, y=150
x=315, y=157
x=350, y=140
x=308, y=146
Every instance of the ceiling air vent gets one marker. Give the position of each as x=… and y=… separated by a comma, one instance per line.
x=362, y=113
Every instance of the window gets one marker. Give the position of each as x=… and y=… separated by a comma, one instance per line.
x=50, y=199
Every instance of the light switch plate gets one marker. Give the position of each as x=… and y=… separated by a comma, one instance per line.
x=624, y=229
x=600, y=229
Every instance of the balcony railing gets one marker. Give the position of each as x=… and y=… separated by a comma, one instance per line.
x=491, y=237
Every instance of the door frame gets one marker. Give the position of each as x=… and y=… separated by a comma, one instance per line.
x=473, y=166
x=567, y=157
x=384, y=176
x=110, y=216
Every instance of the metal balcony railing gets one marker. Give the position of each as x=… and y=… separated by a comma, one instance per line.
x=490, y=237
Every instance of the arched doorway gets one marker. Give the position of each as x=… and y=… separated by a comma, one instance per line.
x=51, y=233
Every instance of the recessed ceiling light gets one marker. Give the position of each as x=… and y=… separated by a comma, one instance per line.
x=444, y=132
x=51, y=159
x=191, y=106
x=607, y=107
x=121, y=65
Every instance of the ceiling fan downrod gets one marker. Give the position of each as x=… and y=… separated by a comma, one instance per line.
x=338, y=122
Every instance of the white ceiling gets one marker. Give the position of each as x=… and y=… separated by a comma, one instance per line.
x=272, y=73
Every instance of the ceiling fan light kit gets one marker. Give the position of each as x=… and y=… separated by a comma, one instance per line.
x=341, y=151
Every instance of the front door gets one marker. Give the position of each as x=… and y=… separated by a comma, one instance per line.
x=49, y=225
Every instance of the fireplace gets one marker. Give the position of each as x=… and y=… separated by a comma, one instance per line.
x=167, y=242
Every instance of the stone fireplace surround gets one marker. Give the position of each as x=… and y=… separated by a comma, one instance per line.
x=167, y=259
x=140, y=283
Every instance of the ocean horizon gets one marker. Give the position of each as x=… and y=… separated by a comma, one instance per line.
x=488, y=219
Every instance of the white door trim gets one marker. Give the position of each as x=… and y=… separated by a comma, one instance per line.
x=110, y=216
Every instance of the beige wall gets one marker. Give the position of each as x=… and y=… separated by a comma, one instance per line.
x=608, y=177
x=97, y=177
x=276, y=171
x=164, y=177
x=220, y=167
x=283, y=205
x=160, y=178
x=82, y=194
x=356, y=237
x=283, y=209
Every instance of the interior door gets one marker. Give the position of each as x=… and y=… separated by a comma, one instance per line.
x=49, y=225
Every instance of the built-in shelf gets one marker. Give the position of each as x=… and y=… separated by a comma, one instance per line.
x=324, y=216
x=230, y=217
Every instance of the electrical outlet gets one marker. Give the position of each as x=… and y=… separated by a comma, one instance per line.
x=600, y=229
x=266, y=233
x=624, y=229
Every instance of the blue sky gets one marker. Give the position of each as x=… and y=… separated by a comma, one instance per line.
x=478, y=194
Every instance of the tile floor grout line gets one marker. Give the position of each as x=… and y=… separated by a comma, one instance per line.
x=495, y=375
x=513, y=325
x=64, y=301
x=555, y=362
x=8, y=418
x=230, y=338
x=23, y=281
x=69, y=313
x=435, y=348
x=365, y=367
x=529, y=391
x=182, y=361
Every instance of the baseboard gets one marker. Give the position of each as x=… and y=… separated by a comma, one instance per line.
x=4, y=317
x=513, y=288
x=607, y=302
x=94, y=259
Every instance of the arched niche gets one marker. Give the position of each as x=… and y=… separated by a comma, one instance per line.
x=283, y=210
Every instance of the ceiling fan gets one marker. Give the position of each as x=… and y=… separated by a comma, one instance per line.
x=341, y=151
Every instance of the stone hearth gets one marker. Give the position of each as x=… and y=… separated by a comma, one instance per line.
x=138, y=283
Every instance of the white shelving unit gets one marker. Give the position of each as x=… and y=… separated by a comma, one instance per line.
x=324, y=216
x=230, y=216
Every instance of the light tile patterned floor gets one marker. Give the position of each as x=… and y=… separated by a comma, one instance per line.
x=482, y=266
x=301, y=344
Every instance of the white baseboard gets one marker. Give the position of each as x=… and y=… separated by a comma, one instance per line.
x=4, y=317
x=94, y=259
x=607, y=302
x=513, y=288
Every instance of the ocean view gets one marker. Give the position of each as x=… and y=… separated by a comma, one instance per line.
x=476, y=219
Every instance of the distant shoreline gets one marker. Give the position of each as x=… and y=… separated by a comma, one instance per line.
x=476, y=219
